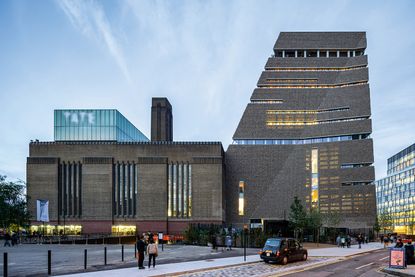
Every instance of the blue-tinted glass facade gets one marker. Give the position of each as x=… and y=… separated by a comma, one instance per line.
x=94, y=125
x=402, y=160
x=395, y=194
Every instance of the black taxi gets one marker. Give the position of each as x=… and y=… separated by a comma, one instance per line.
x=283, y=250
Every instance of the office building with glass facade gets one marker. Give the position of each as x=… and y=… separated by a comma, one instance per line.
x=94, y=125
x=102, y=175
x=395, y=194
x=306, y=133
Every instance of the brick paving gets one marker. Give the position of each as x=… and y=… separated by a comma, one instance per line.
x=258, y=269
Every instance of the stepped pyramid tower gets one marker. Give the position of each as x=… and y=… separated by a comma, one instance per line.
x=306, y=133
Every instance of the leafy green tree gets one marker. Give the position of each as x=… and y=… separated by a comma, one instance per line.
x=13, y=205
x=376, y=226
x=385, y=222
x=297, y=218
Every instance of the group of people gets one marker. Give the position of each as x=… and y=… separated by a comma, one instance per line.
x=14, y=239
x=409, y=250
x=346, y=241
x=146, y=245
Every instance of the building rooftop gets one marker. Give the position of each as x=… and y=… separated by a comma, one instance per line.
x=320, y=40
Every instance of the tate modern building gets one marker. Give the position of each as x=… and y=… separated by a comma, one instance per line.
x=305, y=132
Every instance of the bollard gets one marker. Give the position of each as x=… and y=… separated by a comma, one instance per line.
x=105, y=255
x=122, y=252
x=5, y=265
x=85, y=257
x=49, y=262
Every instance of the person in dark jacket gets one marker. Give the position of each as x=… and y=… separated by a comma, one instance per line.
x=399, y=244
x=7, y=239
x=409, y=253
x=141, y=246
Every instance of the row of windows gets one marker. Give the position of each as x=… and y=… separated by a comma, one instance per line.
x=400, y=197
x=318, y=53
x=400, y=163
x=355, y=165
x=396, y=180
x=345, y=184
x=125, y=189
x=296, y=81
x=70, y=189
x=313, y=69
x=264, y=101
x=308, y=111
x=298, y=141
x=314, y=86
x=312, y=122
x=180, y=190
x=400, y=160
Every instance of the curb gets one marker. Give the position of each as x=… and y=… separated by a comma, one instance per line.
x=396, y=273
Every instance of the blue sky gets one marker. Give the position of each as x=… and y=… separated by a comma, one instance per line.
x=205, y=56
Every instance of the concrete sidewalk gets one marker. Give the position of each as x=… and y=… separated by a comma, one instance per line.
x=181, y=268
x=409, y=271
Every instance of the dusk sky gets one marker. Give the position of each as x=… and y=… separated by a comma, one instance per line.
x=205, y=56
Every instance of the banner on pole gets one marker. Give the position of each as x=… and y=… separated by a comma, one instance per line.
x=42, y=210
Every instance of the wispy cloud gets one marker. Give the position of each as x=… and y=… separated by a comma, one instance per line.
x=90, y=18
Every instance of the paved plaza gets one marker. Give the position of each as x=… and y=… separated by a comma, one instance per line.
x=31, y=259
x=235, y=266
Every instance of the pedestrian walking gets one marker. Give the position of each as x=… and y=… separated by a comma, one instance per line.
x=228, y=243
x=348, y=241
x=343, y=241
x=213, y=242
x=338, y=241
x=359, y=240
x=7, y=240
x=152, y=252
x=141, y=246
x=385, y=241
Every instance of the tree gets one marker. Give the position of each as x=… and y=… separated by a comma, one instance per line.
x=297, y=218
x=385, y=221
x=315, y=221
x=376, y=226
x=13, y=205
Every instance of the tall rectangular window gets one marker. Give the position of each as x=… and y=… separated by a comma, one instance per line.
x=70, y=187
x=241, y=198
x=179, y=190
x=125, y=188
x=174, y=190
x=314, y=179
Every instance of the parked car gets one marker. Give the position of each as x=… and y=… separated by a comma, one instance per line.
x=283, y=250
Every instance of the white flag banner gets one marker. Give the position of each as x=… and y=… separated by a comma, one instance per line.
x=42, y=210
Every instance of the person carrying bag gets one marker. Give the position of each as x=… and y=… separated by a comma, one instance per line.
x=152, y=252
